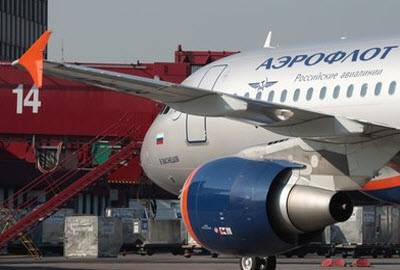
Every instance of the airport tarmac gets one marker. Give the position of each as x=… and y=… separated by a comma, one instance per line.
x=167, y=262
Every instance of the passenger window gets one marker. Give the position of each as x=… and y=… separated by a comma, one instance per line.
x=350, y=90
x=364, y=88
x=271, y=96
x=247, y=95
x=336, y=92
x=283, y=95
x=296, y=94
x=322, y=93
x=392, y=88
x=309, y=93
x=378, y=88
x=258, y=96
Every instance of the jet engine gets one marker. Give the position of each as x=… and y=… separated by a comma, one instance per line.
x=250, y=208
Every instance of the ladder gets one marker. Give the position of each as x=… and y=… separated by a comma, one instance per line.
x=62, y=186
x=25, y=240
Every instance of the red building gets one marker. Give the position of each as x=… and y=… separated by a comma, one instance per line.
x=39, y=127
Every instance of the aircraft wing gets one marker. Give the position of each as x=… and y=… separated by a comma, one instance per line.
x=279, y=118
x=134, y=85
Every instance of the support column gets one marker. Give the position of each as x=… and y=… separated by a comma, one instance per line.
x=10, y=193
x=88, y=203
x=1, y=195
x=20, y=200
x=80, y=204
x=96, y=204
x=102, y=205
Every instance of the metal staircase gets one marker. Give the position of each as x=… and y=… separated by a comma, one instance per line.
x=61, y=186
x=25, y=240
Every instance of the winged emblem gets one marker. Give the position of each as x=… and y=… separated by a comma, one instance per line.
x=263, y=84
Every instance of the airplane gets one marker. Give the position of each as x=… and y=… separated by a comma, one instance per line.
x=262, y=168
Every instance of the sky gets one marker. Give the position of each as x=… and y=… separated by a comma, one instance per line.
x=124, y=31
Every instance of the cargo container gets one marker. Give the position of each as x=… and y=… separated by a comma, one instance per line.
x=92, y=237
x=50, y=233
x=368, y=225
x=370, y=231
x=127, y=216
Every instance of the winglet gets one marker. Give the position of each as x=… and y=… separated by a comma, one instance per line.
x=32, y=59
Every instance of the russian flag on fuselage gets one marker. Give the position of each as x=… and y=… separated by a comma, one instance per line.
x=160, y=138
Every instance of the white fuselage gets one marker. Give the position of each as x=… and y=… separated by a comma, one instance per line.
x=356, y=80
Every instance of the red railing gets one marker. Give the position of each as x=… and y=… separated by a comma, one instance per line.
x=124, y=148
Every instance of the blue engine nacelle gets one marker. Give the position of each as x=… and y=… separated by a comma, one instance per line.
x=246, y=207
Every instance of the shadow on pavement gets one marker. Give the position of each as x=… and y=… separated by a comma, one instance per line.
x=8, y=267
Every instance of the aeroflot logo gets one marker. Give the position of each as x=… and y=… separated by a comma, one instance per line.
x=263, y=84
x=328, y=58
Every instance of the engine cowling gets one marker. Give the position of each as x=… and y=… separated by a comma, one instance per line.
x=247, y=207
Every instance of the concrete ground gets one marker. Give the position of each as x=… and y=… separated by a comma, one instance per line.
x=166, y=262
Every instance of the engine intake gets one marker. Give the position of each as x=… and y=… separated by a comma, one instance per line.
x=248, y=207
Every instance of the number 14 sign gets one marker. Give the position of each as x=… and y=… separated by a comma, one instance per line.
x=31, y=99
